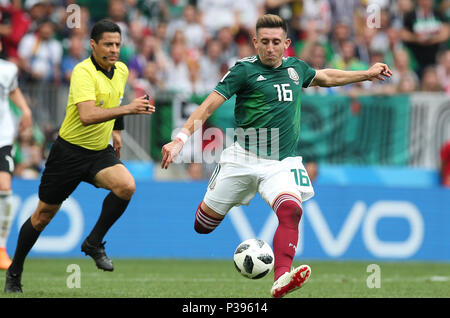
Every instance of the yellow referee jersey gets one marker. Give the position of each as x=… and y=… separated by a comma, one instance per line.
x=90, y=82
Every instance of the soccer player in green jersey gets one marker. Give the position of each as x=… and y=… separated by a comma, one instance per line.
x=268, y=90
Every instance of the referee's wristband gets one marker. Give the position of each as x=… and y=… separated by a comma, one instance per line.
x=182, y=136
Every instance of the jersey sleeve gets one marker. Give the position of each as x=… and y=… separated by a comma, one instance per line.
x=14, y=80
x=119, y=124
x=82, y=85
x=232, y=81
x=308, y=73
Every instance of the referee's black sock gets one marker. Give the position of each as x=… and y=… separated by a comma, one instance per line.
x=113, y=207
x=28, y=235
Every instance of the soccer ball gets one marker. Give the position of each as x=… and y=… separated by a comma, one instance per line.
x=253, y=258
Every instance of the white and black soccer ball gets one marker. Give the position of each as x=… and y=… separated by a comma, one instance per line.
x=253, y=258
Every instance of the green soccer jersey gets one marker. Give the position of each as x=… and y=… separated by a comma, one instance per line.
x=267, y=110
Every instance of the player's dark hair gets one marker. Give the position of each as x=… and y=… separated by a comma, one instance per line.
x=271, y=21
x=103, y=26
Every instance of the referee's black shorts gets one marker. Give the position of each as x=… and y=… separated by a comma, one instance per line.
x=67, y=165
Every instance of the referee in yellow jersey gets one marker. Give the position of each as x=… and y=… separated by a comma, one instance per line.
x=82, y=151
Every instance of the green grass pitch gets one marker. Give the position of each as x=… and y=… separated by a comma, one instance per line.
x=150, y=278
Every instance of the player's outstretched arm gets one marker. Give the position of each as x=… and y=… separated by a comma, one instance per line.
x=19, y=100
x=333, y=77
x=90, y=114
x=171, y=150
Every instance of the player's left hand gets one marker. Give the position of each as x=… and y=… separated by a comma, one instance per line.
x=379, y=71
x=170, y=151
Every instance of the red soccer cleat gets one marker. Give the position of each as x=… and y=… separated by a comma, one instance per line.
x=291, y=281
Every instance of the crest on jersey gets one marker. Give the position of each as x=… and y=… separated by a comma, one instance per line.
x=293, y=75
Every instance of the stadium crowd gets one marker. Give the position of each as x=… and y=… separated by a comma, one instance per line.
x=188, y=45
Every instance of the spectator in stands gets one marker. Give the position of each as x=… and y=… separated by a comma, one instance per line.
x=145, y=54
x=245, y=49
x=351, y=11
x=75, y=54
x=402, y=72
x=247, y=12
x=196, y=83
x=14, y=23
x=443, y=71
x=210, y=64
x=29, y=155
x=289, y=10
x=316, y=58
x=430, y=80
x=96, y=8
x=151, y=12
x=380, y=41
x=151, y=83
x=395, y=44
x=341, y=34
x=217, y=15
x=445, y=164
x=283, y=8
x=80, y=30
x=40, y=54
x=118, y=14
x=424, y=30
x=407, y=84
x=37, y=10
x=363, y=43
x=228, y=45
x=379, y=87
x=177, y=71
x=137, y=32
x=313, y=35
x=194, y=32
x=348, y=60
x=316, y=17
x=399, y=10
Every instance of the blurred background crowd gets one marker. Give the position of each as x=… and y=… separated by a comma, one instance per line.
x=187, y=45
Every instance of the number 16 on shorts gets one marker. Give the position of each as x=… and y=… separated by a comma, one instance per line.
x=301, y=177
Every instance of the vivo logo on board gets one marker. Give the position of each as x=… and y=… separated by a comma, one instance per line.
x=360, y=216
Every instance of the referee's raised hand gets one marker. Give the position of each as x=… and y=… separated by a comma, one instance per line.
x=141, y=105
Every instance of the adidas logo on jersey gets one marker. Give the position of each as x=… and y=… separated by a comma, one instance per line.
x=261, y=78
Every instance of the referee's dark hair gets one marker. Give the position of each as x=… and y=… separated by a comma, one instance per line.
x=102, y=26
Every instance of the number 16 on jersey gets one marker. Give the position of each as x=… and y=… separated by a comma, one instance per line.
x=284, y=93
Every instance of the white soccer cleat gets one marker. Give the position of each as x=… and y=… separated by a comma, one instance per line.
x=291, y=281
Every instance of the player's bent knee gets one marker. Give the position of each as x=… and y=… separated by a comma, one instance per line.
x=125, y=190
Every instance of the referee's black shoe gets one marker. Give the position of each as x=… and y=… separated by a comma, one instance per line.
x=98, y=255
x=13, y=283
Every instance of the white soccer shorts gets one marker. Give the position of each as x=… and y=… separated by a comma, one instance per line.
x=239, y=175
